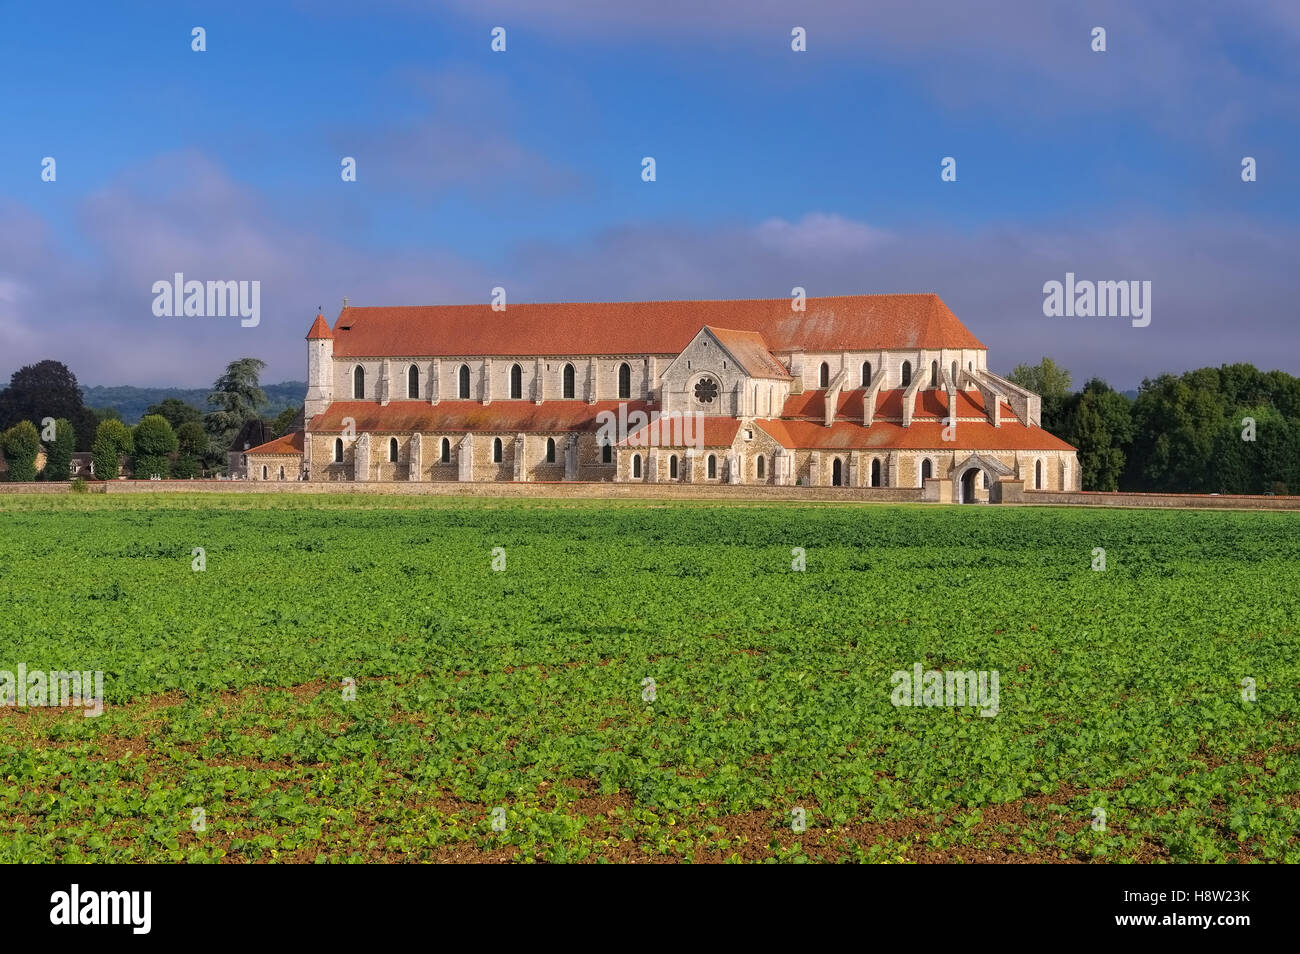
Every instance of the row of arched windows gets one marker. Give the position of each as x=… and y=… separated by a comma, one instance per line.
x=568, y=378
x=674, y=472
x=838, y=475
x=824, y=374
x=568, y=381
x=711, y=463
x=444, y=455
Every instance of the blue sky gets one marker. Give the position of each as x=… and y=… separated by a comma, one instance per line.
x=522, y=168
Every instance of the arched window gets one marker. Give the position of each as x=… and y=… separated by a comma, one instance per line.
x=934, y=374
x=413, y=382
x=824, y=376
x=568, y=389
x=984, y=479
x=1038, y=475
x=282, y=473
x=954, y=374
x=496, y=450
x=762, y=467
x=875, y=472
x=516, y=382
x=636, y=465
x=837, y=473
x=550, y=450
x=338, y=450
x=264, y=472
x=925, y=471
x=907, y=373
x=672, y=467
x=358, y=383
x=463, y=384
x=392, y=450
x=446, y=451
x=624, y=380
x=713, y=467
x=606, y=453
x=866, y=374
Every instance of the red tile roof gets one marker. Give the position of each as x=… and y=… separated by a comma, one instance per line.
x=926, y=435
x=499, y=416
x=750, y=350
x=289, y=444
x=319, y=329
x=929, y=404
x=717, y=432
x=857, y=322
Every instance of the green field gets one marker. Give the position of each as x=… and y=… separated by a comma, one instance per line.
x=522, y=689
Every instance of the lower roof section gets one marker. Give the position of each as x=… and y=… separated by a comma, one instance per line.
x=285, y=446
x=512, y=417
x=922, y=435
x=551, y=417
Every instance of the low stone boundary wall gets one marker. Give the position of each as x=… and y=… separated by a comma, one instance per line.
x=1093, y=498
x=568, y=489
x=596, y=490
x=43, y=487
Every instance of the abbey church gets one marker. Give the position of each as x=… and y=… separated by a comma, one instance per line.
x=864, y=391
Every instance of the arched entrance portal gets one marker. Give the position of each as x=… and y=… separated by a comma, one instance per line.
x=968, y=485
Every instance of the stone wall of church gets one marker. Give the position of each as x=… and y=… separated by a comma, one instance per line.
x=890, y=363
x=497, y=373
x=273, y=463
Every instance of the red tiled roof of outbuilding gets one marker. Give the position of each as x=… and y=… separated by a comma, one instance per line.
x=289, y=444
x=846, y=323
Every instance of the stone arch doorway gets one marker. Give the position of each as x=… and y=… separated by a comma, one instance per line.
x=966, y=485
x=978, y=472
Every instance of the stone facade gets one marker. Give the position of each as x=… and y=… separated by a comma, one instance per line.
x=913, y=401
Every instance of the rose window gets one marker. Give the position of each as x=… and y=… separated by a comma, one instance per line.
x=706, y=390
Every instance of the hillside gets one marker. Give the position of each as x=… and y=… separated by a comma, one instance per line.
x=131, y=402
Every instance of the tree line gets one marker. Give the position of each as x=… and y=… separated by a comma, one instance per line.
x=1231, y=430
x=44, y=407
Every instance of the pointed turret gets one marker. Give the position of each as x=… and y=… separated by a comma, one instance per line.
x=320, y=368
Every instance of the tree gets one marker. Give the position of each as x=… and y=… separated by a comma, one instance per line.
x=1047, y=378
x=237, y=399
x=1175, y=420
x=155, y=442
x=1049, y=381
x=192, y=444
x=176, y=412
x=284, y=420
x=21, y=445
x=192, y=439
x=58, y=452
x=46, y=389
x=112, y=440
x=1099, y=423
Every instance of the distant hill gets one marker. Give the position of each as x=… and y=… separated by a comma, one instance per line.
x=131, y=402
